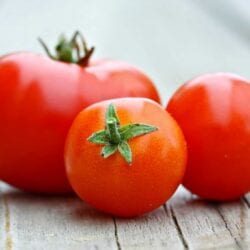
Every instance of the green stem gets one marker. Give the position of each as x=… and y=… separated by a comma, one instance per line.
x=113, y=132
x=74, y=50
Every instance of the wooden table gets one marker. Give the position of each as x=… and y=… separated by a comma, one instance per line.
x=185, y=222
x=172, y=41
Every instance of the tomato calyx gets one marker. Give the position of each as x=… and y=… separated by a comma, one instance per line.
x=74, y=50
x=115, y=137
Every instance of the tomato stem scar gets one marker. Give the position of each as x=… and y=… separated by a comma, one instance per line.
x=115, y=137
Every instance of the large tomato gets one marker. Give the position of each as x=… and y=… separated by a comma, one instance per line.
x=40, y=97
x=214, y=113
x=134, y=162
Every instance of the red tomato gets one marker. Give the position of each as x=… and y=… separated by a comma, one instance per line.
x=39, y=98
x=214, y=114
x=134, y=185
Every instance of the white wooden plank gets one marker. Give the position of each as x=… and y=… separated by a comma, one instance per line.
x=200, y=223
x=5, y=238
x=38, y=222
x=153, y=231
x=236, y=216
x=42, y=222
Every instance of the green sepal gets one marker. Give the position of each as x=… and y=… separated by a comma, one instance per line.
x=108, y=150
x=132, y=130
x=125, y=151
x=99, y=137
x=46, y=49
x=116, y=138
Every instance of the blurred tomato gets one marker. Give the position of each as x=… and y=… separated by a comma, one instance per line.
x=40, y=97
x=214, y=114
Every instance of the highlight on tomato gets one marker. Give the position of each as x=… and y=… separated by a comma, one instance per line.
x=39, y=98
x=125, y=156
x=214, y=113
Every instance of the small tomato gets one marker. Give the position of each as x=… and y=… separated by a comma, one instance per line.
x=125, y=156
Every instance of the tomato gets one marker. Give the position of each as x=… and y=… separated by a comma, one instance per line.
x=214, y=113
x=39, y=98
x=108, y=177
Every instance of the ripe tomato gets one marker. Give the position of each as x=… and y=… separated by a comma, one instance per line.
x=40, y=97
x=214, y=114
x=136, y=177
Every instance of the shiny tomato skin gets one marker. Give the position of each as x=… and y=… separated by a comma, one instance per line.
x=110, y=184
x=214, y=113
x=39, y=98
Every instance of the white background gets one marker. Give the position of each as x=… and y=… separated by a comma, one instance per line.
x=172, y=41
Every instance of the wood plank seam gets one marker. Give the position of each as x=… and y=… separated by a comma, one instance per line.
x=180, y=234
x=228, y=228
x=8, y=239
x=116, y=235
x=244, y=199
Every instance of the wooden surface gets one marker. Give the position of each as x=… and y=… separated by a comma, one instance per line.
x=172, y=41
x=186, y=222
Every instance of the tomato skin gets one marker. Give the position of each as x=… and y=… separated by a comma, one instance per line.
x=111, y=185
x=39, y=98
x=214, y=113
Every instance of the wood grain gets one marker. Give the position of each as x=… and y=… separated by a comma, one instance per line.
x=153, y=231
x=186, y=222
x=2, y=221
x=236, y=216
x=247, y=199
x=208, y=225
x=42, y=222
